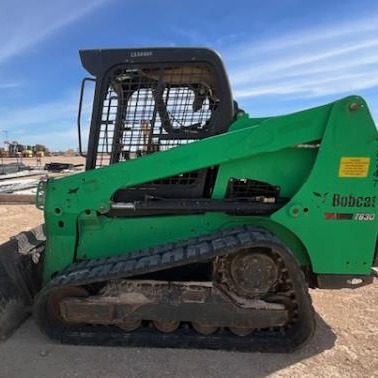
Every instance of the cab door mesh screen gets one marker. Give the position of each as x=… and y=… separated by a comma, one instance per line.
x=146, y=110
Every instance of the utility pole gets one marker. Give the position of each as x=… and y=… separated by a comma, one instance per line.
x=6, y=135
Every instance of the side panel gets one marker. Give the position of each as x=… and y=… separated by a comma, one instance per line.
x=335, y=212
x=287, y=168
x=102, y=236
x=76, y=206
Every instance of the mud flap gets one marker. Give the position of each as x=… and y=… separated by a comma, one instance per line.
x=20, y=277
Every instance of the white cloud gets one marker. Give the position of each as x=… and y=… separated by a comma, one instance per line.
x=299, y=58
x=314, y=87
x=55, y=140
x=35, y=115
x=50, y=123
x=328, y=61
x=9, y=85
x=26, y=23
x=342, y=32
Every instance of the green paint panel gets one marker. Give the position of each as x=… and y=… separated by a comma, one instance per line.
x=110, y=237
x=339, y=237
x=286, y=168
x=278, y=150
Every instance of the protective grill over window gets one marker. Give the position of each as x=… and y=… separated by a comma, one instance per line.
x=148, y=109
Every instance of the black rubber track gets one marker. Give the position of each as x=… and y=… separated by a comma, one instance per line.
x=174, y=255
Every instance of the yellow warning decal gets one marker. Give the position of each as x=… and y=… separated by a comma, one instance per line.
x=354, y=166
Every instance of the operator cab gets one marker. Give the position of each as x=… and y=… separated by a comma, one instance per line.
x=153, y=99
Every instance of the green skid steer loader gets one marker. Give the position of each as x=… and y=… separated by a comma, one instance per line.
x=194, y=225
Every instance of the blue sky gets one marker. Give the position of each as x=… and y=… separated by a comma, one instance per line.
x=281, y=56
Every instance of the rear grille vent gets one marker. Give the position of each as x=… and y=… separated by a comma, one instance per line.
x=246, y=188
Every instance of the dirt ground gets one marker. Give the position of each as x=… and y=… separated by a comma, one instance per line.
x=345, y=343
x=41, y=162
